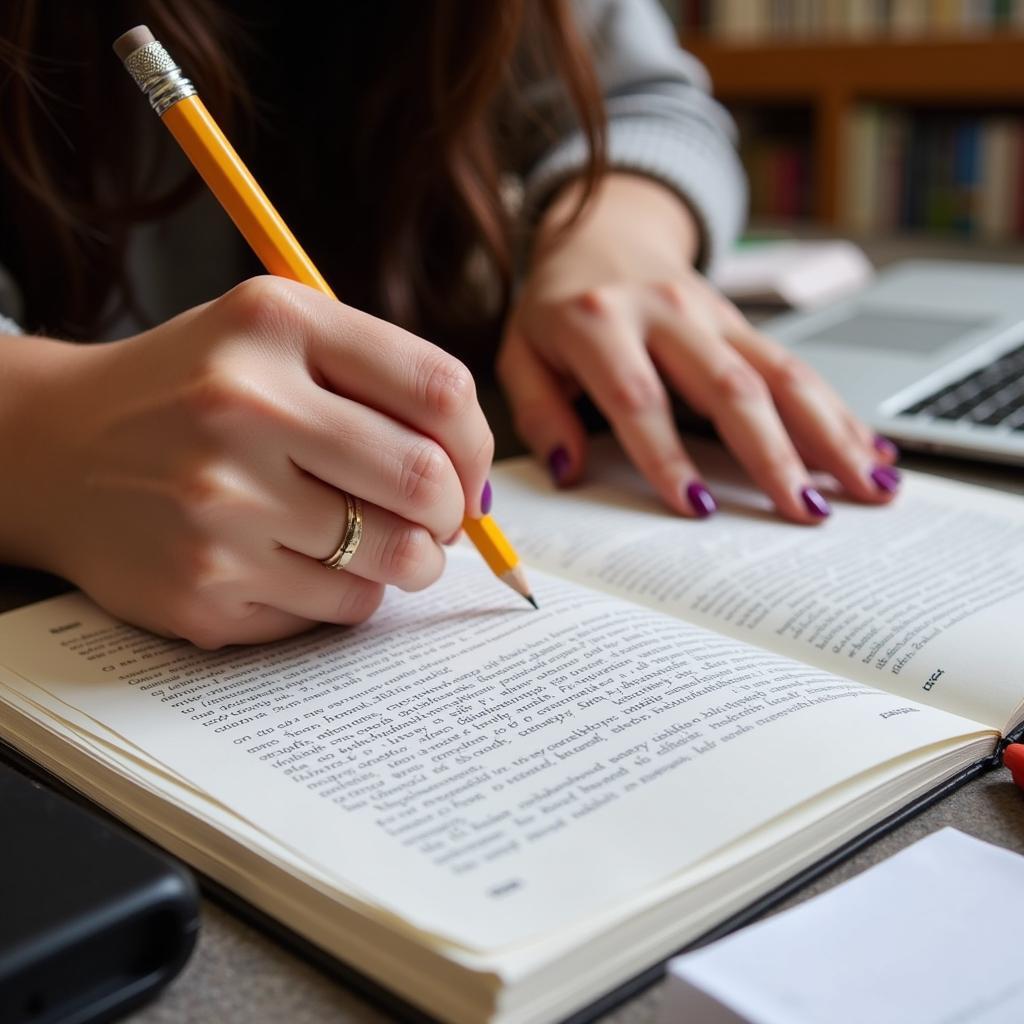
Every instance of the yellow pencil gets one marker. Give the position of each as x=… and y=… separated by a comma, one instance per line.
x=174, y=99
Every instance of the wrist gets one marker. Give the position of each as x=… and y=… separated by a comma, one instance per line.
x=628, y=206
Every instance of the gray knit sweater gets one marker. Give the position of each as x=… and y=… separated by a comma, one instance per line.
x=662, y=122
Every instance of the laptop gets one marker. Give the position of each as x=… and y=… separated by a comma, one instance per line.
x=931, y=354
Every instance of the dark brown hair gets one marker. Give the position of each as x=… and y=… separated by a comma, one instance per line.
x=414, y=155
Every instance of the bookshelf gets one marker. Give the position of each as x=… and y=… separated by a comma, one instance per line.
x=834, y=78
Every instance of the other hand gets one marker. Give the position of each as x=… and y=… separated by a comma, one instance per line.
x=615, y=308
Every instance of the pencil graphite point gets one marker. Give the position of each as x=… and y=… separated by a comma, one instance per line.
x=125, y=45
x=532, y=600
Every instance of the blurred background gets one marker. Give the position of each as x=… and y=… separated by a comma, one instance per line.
x=873, y=119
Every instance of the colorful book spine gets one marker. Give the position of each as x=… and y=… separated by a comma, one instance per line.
x=753, y=21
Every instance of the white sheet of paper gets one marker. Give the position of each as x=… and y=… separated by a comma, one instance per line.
x=926, y=937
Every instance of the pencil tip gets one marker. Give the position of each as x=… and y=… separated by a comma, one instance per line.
x=529, y=597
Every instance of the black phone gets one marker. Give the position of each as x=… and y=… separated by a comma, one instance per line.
x=93, y=920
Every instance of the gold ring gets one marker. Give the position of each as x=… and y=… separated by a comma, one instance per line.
x=351, y=536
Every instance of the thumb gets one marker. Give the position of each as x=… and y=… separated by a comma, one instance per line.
x=544, y=417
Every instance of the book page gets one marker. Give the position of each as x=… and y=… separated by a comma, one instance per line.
x=924, y=598
x=461, y=760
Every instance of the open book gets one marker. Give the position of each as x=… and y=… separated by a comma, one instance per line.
x=502, y=815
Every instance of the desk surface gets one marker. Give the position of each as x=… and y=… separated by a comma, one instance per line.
x=238, y=974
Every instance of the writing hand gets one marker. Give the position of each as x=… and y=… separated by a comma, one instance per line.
x=192, y=477
x=615, y=309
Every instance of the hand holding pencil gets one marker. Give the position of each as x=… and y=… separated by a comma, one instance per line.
x=175, y=101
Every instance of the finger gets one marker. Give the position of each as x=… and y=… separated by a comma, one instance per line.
x=392, y=550
x=422, y=386
x=825, y=432
x=608, y=359
x=300, y=586
x=543, y=416
x=755, y=346
x=263, y=625
x=888, y=451
x=364, y=452
x=253, y=623
x=720, y=384
x=377, y=364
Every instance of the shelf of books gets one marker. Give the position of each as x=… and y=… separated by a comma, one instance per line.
x=878, y=118
x=752, y=20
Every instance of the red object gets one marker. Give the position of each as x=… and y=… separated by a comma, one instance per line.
x=1013, y=758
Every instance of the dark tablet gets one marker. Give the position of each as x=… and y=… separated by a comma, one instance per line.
x=93, y=920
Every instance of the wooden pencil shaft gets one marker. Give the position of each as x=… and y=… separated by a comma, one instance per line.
x=492, y=544
x=227, y=177
x=239, y=193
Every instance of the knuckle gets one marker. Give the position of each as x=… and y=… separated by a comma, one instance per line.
x=674, y=294
x=405, y=552
x=637, y=392
x=737, y=382
x=358, y=603
x=422, y=475
x=778, y=465
x=206, y=494
x=666, y=468
x=213, y=391
x=594, y=301
x=220, y=392
x=448, y=387
x=202, y=568
x=429, y=573
x=264, y=304
x=790, y=373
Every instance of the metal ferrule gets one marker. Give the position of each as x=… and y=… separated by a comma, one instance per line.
x=157, y=75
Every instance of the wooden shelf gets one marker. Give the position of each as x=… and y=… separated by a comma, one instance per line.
x=833, y=76
x=941, y=70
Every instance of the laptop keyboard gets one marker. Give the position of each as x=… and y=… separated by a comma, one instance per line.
x=992, y=396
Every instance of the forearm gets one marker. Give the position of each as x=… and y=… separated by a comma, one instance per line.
x=31, y=370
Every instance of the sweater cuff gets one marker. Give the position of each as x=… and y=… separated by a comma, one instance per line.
x=700, y=166
x=10, y=305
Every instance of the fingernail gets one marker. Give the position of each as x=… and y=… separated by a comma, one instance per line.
x=815, y=503
x=559, y=464
x=884, y=446
x=486, y=499
x=886, y=479
x=701, y=500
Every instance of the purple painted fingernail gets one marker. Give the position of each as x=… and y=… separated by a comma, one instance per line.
x=486, y=499
x=886, y=479
x=559, y=464
x=701, y=500
x=815, y=503
x=885, y=447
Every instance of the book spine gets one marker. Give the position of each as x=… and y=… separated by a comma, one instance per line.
x=861, y=169
x=965, y=176
x=996, y=200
